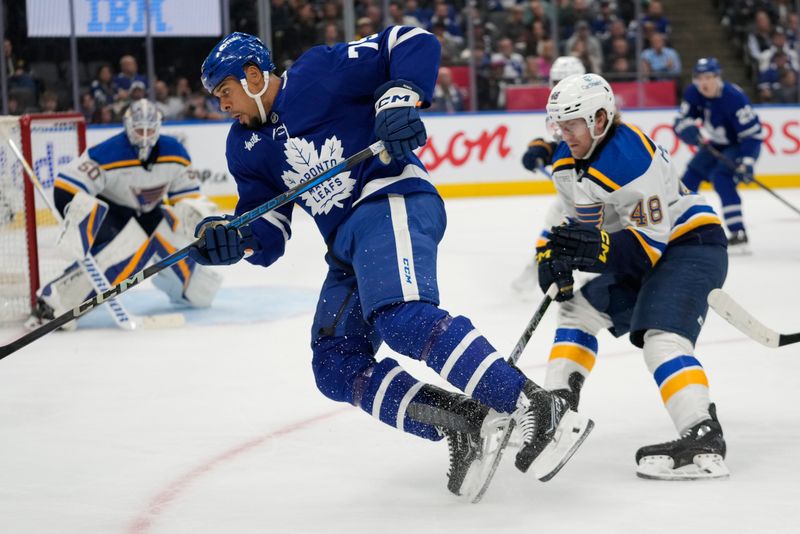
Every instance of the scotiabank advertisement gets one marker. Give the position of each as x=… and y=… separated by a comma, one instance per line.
x=479, y=154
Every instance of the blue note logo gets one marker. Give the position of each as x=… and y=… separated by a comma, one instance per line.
x=308, y=164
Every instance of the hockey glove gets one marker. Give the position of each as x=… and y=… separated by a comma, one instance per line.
x=397, y=121
x=222, y=246
x=744, y=170
x=689, y=133
x=554, y=270
x=582, y=246
x=538, y=154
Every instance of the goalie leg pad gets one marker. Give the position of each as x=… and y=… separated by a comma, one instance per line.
x=82, y=219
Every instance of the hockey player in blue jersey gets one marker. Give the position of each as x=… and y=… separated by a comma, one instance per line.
x=382, y=225
x=718, y=113
x=659, y=251
x=132, y=198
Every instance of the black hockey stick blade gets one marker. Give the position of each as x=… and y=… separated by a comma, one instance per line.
x=742, y=320
x=375, y=149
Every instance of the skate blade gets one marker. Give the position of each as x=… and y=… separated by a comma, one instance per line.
x=569, y=435
x=704, y=467
x=488, y=466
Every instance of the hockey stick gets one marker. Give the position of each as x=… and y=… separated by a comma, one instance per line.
x=732, y=166
x=243, y=219
x=530, y=328
x=121, y=316
x=742, y=320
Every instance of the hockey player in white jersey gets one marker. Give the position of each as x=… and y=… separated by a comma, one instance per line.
x=658, y=250
x=539, y=151
x=382, y=224
x=126, y=201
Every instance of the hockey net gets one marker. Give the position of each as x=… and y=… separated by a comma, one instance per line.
x=28, y=255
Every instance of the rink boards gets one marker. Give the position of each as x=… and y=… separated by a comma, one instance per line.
x=478, y=154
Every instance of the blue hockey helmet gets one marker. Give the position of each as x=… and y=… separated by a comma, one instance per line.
x=707, y=64
x=229, y=57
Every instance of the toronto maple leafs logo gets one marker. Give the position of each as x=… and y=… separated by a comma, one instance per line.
x=308, y=164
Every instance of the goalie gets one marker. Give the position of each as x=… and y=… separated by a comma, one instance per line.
x=126, y=201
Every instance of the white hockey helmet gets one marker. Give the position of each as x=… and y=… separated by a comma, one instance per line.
x=565, y=66
x=581, y=96
x=142, y=122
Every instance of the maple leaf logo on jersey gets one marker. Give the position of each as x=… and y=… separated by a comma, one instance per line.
x=308, y=164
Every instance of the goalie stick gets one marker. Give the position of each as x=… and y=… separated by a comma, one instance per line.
x=375, y=149
x=116, y=309
x=742, y=320
x=530, y=328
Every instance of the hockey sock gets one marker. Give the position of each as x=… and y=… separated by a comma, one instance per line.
x=455, y=349
x=574, y=350
x=680, y=377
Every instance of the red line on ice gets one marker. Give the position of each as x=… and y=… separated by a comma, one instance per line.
x=145, y=521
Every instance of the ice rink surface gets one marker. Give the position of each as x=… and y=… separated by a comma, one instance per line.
x=217, y=427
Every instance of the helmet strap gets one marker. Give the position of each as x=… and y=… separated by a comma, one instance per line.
x=597, y=138
x=257, y=96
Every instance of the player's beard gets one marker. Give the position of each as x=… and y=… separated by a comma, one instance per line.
x=254, y=123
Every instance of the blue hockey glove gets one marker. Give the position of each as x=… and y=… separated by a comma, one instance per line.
x=397, y=121
x=582, y=246
x=689, y=133
x=538, y=155
x=744, y=170
x=222, y=246
x=554, y=270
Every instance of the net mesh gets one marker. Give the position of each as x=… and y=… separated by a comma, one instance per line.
x=53, y=141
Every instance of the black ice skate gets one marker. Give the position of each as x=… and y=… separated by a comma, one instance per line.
x=551, y=432
x=572, y=394
x=737, y=243
x=475, y=437
x=697, y=454
x=44, y=313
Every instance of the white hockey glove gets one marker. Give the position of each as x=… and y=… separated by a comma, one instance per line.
x=82, y=219
x=190, y=212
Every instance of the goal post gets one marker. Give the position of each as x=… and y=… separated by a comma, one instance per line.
x=28, y=255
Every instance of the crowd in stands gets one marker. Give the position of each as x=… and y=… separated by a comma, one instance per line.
x=768, y=35
x=516, y=41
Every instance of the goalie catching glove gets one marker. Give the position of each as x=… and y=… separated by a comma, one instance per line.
x=397, y=121
x=221, y=245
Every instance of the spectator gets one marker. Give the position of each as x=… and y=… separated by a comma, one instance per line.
x=621, y=70
x=619, y=49
x=446, y=96
x=423, y=15
x=593, y=59
x=770, y=80
x=330, y=15
x=301, y=35
x=8, y=55
x=331, y=35
x=445, y=14
x=137, y=91
x=788, y=91
x=511, y=65
x=202, y=108
x=778, y=44
x=171, y=107
x=398, y=16
x=128, y=73
x=601, y=23
x=618, y=30
x=760, y=39
x=514, y=28
x=102, y=87
x=546, y=52
x=105, y=115
x=537, y=10
x=88, y=106
x=364, y=27
x=451, y=47
x=655, y=14
x=48, y=103
x=660, y=61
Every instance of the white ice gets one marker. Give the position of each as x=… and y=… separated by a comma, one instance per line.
x=218, y=427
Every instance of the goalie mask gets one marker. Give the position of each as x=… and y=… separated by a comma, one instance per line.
x=143, y=124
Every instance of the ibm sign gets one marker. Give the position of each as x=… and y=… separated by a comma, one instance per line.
x=124, y=18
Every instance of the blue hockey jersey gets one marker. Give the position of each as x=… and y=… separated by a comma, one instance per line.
x=322, y=114
x=728, y=120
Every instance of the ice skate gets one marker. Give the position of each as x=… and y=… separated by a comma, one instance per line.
x=698, y=454
x=550, y=431
x=738, y=243
x=44, y=313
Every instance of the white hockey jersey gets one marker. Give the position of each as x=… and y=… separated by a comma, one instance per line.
x=112, y=169
x=630, y=189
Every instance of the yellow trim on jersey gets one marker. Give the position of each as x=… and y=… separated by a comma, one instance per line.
x=173, y=159
x=652, y=253
x=681, y=380
x=603, y=178
x=90, y=226
x=695, y=222
x=563, y=162
x=577, y=354
x=176, y=198
x=66, y=186
x=122, y=163
x=643, y=138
